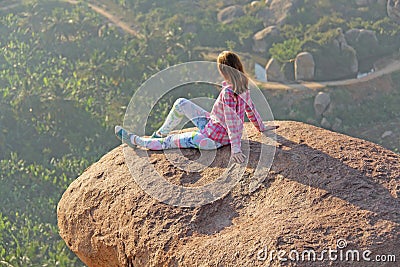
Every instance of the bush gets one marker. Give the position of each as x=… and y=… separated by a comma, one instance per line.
x=286, y=51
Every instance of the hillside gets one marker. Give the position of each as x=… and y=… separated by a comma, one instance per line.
x=69, y=68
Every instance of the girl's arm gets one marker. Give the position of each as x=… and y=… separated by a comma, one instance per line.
x=233, y=123
x=254, y=116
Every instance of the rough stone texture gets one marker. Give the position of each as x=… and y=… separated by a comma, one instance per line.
x=304, y=67
x=230, y=13
x=345, y=65
x=366, y=45
x=322, y=186
x=274, y=72
x=352, y=55
x=348, y=50
x=288, y=71
x=325, y=123
x=337, y=124
x=255, y=4
x=276, y=11
x=362, y=37
x=321, y=102
x=263, y=39
x=393, y=10
x=352, y=35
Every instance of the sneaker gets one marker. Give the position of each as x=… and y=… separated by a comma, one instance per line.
x=124, y=136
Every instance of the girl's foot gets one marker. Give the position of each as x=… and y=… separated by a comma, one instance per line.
x=125, y=137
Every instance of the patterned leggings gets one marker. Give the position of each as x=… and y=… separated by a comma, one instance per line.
x=181, y=108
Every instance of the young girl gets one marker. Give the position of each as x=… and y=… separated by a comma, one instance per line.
x=223, y=126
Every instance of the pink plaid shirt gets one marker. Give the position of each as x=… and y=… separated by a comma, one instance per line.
x=227, y=117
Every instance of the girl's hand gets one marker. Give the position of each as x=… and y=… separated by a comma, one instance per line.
x=239, y=157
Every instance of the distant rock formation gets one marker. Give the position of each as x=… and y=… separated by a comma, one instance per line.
x=274, y=72
x=361, y=37
x=321, y=102
x=351, y=54
x=393, y=10
x=263, y=40
x=324, y=191
x=304, y=67
x=343, y=62
x=255, y=4
x=230, y=13
x=366, y=45
x=276, y=11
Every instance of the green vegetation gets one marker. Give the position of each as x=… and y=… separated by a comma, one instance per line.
x=286, y=51
x=311, y=26
x=365, y=111
x=66, y=76
x=318, y=37
x=29, y=195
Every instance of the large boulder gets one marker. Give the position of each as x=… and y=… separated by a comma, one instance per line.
x=263, y=40
x=304, y=67
x=350, y=53
x=255, y=4
x=361, y=37
x=276, y=11
x=288, y=70
x=230, y=13
x=366, y=45
x=321, y=102
x=335, y=60
x=274, y=71
x=324, y=191
x=393, y=10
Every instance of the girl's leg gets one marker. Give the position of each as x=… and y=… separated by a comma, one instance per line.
x=183, y=107
x=182, y=140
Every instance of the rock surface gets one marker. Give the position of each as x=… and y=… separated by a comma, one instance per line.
x=321, y=102
x=393, y=9
x=230, y=13
x=263, y=40
x=361, y=37
x=277, y=11
x=366, y=45
x=352, y=54
x=325, y=123
x=322, y=187
x=335, y=60
x=274, y=72
x=304, y=67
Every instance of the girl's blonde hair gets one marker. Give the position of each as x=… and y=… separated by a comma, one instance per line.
x=231, y=68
